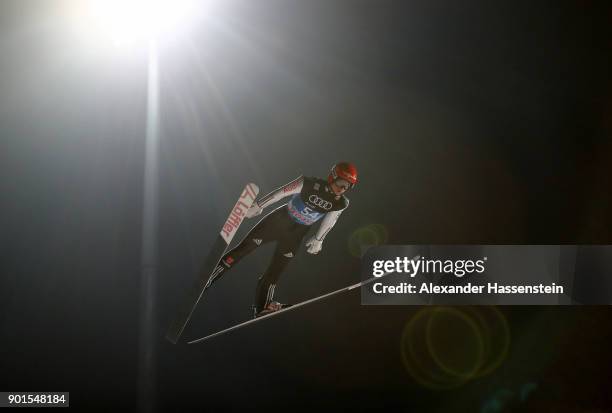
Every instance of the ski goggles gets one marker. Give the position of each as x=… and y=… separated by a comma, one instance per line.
x=343, y=184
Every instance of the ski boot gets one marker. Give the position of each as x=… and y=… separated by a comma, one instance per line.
x=272, y=307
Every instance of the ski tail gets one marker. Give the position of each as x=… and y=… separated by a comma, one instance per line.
x=224, y=238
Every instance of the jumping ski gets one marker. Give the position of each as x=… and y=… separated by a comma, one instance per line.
x=292, y=307
x=220, y=245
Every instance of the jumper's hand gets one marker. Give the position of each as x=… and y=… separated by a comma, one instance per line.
x=254, y=210
x=314, y=245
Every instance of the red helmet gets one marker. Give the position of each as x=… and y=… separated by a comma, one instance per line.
x=343, y=170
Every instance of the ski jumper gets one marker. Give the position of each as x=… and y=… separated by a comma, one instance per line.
x=311, y=200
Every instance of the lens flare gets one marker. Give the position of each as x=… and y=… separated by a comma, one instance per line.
x=367, y=236
x=445, y=347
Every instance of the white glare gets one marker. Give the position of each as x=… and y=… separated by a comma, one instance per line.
x=129, y=21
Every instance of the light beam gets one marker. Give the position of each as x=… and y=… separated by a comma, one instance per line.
x=127, y=22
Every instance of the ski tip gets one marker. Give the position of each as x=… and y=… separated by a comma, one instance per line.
x=253, y=187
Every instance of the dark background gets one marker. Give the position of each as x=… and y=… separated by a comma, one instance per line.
x=470, y=122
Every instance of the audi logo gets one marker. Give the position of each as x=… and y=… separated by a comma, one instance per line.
x=321, y=203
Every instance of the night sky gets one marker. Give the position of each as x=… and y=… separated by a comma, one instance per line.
x=470, y=122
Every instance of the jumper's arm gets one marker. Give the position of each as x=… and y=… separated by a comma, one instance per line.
x=293, y=187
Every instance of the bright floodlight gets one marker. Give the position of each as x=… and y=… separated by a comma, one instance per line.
x=129, y=21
